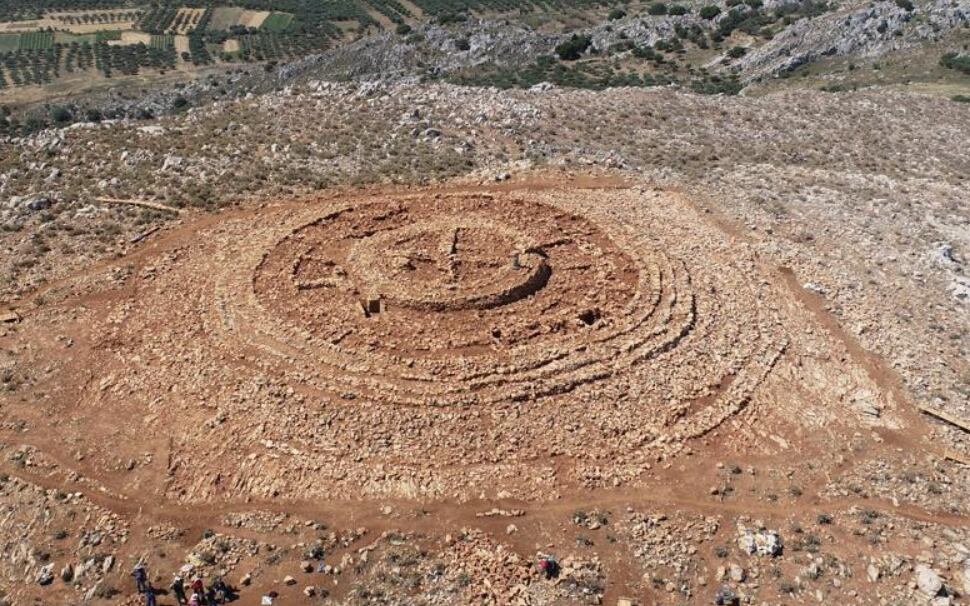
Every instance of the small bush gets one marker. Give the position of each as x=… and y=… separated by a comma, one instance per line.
x=906, y=5
x=956, y=61
x=446, y=18
x=403, y=29
x=616, y=13
x=658, y=8
x=573, y=49
x=868, y=516
x=710, y=11
x=678, y=9
x=716, y=85
x=737, y=52
x=960, y=98
x=462, y=44
x=60, y=114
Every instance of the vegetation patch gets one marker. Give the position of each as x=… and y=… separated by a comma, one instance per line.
x=573, y=48
x=594, y=76
x=36, y=40
x=277, y=22
x=956, y=61
x=9, y=42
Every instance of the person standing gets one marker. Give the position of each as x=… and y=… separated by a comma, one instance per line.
x=141, y=577
x=178, y=588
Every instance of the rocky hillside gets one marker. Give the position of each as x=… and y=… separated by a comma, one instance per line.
x=747, y=40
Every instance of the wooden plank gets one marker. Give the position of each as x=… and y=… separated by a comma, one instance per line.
x=944, y=416
x=142, y=203
x=143, y=235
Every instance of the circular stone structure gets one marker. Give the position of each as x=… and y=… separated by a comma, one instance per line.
x=437, y=342
x=460, y=299
x=450, y=264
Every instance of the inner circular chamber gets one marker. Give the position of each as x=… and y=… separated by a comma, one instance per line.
x=448, y=264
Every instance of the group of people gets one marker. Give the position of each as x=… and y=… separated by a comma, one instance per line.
x=195, y=594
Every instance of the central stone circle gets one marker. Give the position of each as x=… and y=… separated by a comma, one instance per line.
x=449, y=264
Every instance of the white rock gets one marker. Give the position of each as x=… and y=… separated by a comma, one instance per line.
x=873, y=573
x=928, y=581
x=737, y=573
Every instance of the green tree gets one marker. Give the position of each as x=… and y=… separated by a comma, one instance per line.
x=573, y=48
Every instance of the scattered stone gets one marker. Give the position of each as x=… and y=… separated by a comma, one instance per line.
x=46, y=575
x=759, y=542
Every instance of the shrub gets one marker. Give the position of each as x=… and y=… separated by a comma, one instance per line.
x=572, y=49
x=616, y=13
x=737, y=52
x=659, y=8
x=462, y=44
x=960, y=98
x=710, y=11
x=447, y=18
x=403, y=29
x=60, y=114
x=906, y=5
x=716, y=85
x=678, y=9
x=787, y=587
x=956, y=61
